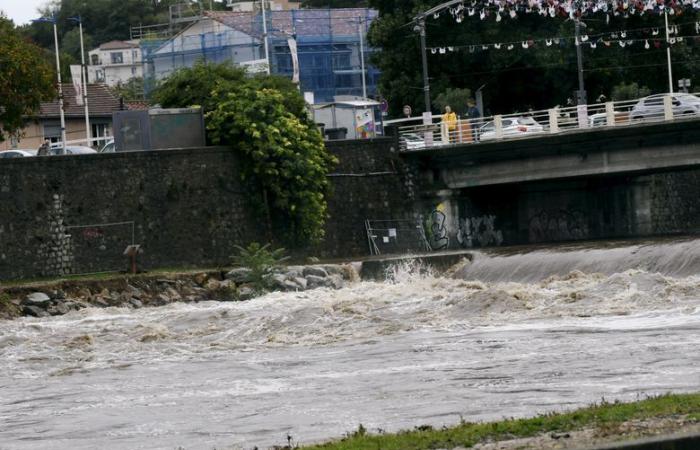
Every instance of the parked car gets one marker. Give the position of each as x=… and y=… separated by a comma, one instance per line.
x=601, y=119
x=71, y=150
x=108, y=147
x=512, y=127
x=652, y=107
x=416, y=141
x=17, y=153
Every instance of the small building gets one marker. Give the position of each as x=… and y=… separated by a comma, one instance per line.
x=115, y=62
x=47, y=122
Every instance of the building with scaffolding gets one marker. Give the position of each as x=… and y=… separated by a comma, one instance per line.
x=330, y=48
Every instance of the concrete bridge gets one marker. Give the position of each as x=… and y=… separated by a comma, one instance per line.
x=637, y=148
x=634, y=180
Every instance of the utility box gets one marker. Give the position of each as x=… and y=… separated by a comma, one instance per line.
x=158, y=129
x=347, y=118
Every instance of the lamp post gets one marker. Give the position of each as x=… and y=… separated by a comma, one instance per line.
x=52, y=20
x=84, y=80
x=581, y=94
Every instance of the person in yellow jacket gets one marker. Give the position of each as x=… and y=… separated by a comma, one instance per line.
x=449, y=120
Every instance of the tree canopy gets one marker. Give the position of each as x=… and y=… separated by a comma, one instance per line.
x=263, y=118
x=26, y=79
x=538, y=77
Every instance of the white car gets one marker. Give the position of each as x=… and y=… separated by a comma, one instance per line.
x=652, y=107
x=71, y=150
x=512, y=127
x=416, y=141
x=16, y=153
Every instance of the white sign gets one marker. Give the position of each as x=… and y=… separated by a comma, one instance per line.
x=76, y=75
x=255, y=66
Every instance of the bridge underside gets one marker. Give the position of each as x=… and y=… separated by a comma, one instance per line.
x=637, y=181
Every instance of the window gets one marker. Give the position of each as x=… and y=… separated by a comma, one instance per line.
x=133, y=70
x=117, y=57
x=52, y=132
x=99, y=75
x=134, y=55
x=100, y=130
x=95, y=60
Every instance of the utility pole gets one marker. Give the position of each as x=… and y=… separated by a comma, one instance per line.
x=581, y=97
x=267, y=51
x=426, y=81
x=668, y=54
x=360, y=30
x=58, y=75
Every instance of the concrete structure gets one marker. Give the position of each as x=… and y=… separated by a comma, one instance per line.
x=46, y=123
x=619, y=182
x=274, y=5
x=115, y=62
x=188, y=208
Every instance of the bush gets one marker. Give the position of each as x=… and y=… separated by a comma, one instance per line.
x=261, y=261
x=631, y=91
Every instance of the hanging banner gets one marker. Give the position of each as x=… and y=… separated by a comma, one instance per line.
x=76, y=74
x=295, y=59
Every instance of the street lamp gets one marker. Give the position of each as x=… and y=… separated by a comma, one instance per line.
x=264, y=24
x=83, y=79
x=52, y=20
x=668, y=53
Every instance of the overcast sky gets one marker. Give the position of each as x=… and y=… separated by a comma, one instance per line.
x=21, y=11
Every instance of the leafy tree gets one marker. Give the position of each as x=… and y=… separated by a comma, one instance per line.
x=629, y=91
x=26, y=79
x=454, y=98
x=283, y=157
x=282, y=154
x=131, y=90
x=192, y=86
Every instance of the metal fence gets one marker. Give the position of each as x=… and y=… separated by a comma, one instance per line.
x=395, y=236
x=418, y=133
x=99, y=248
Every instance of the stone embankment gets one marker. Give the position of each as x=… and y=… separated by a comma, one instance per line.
x=61, y=297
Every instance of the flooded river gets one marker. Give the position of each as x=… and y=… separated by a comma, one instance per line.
x=513, y=334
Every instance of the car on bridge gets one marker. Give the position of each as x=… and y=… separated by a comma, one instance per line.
x=652, y=107
x=512, y=127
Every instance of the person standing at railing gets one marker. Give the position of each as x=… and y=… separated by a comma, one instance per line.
x=473, y=114
x=449, y=124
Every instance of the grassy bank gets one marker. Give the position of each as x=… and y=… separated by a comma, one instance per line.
x=605, y=416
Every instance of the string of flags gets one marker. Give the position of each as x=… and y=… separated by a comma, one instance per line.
x=649, y=37
x=565, y=8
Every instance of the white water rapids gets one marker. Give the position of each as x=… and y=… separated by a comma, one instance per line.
x=393, y=355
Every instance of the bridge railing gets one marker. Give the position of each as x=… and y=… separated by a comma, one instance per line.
x=420, y=133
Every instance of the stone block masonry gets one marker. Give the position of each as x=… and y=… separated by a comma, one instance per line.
x=188, y=206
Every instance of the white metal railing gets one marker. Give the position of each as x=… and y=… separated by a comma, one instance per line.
x=419, y=133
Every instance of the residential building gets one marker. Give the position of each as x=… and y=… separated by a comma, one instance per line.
x=115, y=62
x=327, y=42
x=47, y=122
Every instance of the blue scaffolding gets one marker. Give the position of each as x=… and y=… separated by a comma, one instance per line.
x=328, y=47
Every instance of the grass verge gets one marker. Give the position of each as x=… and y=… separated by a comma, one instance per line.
x=604, y=415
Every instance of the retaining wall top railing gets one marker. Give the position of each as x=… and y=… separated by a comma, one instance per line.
x=423, y=133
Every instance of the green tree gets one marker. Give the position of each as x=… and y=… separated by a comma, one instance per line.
x=26, y=79
x=132, y=90
x=629, y=91
x=282, y=154
x=264, y=118
x=454, y=98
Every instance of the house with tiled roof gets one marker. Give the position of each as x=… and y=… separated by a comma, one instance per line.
x=46, y=123
x=327, y=41
x=115, y=62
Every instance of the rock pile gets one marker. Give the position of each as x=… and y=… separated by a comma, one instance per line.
x=144, y=290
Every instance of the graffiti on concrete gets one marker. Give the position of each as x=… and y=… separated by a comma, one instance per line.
x=478, y=231
x=437, y=230
x=558, y=225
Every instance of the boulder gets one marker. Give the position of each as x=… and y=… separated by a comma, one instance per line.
x=136, y=303
x=290, y=285
x=246, y=292
x=30, y=310
x=301, y=282
x=227, y=284
x=239, y=275
x=58, y=295
x=37, y=299
x=58, y=309
x=99, y=301
x=213, y=285
x=279, y=281
x=336, y=281
x=314, y=281
x=200, y=278
x=134, y=291
x=315, y=271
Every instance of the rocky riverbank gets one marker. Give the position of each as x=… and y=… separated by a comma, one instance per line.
x=144, y=290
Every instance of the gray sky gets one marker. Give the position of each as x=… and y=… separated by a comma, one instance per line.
x=21, y=11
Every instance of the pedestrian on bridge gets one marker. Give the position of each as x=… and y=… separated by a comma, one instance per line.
x=449, y=124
